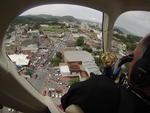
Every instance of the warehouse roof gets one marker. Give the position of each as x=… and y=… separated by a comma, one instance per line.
x=19, y=59
x=83, y=56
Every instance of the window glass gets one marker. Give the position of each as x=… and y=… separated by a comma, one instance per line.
x=49, y=44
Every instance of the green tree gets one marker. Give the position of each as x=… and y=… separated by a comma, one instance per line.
x=73, y=81
x=129, y=40
x=29, y=72
x=56, y=61
x=80, y=41
x=87, y=48
x=59, y=55
x=131, y=46
x=98, y=61
x=36, y=26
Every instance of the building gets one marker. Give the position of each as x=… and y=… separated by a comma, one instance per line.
x=77, y=35
x=64, y=70
x=33, y=33
x=74, y=67
x=44, y=25
x=93, y=43
x=30, y=48
x=10, y=41
x=122, y=49
x=84, y=26
x=99, y=36
x=19, y=59
x=82, y=57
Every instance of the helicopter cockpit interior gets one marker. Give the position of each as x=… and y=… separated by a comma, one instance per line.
x=40, y=50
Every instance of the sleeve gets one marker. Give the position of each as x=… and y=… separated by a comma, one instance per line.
x=75, y=95
x=89, y=95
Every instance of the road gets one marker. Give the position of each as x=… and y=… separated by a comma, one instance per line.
x=40, y=83
x=58, y=46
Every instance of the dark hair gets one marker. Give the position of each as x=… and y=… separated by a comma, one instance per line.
x=139, y=72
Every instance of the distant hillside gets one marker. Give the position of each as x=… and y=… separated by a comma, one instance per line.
x=121, y=30
x=44, y=19
x=68, y=19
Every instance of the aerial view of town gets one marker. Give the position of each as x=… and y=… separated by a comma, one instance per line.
x=54, y=52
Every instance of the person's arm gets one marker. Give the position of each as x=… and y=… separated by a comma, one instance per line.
x=89, y=95
x=73, y=109
x=73, y=96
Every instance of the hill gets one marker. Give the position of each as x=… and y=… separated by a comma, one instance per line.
x=43, y=18
x=121, y=30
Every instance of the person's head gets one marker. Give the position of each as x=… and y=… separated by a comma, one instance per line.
x=139, y=71
x=108, y=58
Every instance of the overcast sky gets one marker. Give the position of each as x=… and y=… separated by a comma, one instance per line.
x=64, y=9
x=135, y=22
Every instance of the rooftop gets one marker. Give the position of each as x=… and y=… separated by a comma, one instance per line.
x=64, y=69
x=83, y=56
x=19, y=59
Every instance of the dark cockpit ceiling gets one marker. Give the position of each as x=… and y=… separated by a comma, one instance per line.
x=12, y=8
x=9, y=9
